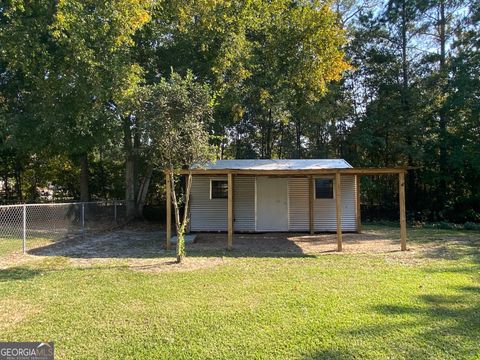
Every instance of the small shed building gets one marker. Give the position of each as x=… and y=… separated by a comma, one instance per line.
x=287, y=195
x=272, y=203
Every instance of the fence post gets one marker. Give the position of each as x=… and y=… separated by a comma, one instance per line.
x=115, y=210
x=83, y=219
x=24, y=229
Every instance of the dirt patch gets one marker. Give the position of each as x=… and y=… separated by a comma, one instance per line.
x=288, y=243
x=117, y=244
x=141, y=247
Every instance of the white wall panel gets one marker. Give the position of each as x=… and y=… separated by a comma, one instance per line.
x=298, y=204
x=244, y=203
x=211, y=214
x=206, y=214
x=324, y=209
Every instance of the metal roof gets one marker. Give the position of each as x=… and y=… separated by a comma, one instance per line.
x=282, y=164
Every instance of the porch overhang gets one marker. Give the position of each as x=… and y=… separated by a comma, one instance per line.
x=230, y=173
x=297, y=172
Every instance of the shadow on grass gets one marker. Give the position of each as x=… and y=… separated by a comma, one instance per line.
x=17, y=273
x=437, y=326
x=457, y=249
x=151, y=245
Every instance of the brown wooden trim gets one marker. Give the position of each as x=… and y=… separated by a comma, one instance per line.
x=311, y=211
x=350, y=171
x=168, y=208
x=230, y=212
x=338, y=209
x=403, y=220
x=358, y=210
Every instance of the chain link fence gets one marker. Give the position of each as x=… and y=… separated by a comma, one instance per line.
x=29, y=226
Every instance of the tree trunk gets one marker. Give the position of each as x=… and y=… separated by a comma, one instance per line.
x=18, y=180
x=129, y=169
x=180, y=222
x=268, y=152
x=442, y=115
x=298, y=139
x=406, y=106
x=136, y=147
x=280, y=147
x=84, y=193
x=5, y=183
x=143, y=191
x=103, y=178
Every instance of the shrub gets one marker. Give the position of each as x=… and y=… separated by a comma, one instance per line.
x=471, y=226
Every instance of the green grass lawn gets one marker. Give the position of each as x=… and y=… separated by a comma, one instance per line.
x=414, y=305
x=9, y=245
x=14, y=244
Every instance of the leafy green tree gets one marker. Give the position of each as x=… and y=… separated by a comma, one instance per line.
x=176, y=114
x=74, y=58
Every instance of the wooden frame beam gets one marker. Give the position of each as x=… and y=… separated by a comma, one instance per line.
x=348, y=171
x=311, y=210
x=230, y=212
x=230, y=173
x=358, y=209
x=338, y=209
x=168, y=208
x=403, y=219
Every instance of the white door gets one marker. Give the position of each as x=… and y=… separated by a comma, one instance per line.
x=272, y=205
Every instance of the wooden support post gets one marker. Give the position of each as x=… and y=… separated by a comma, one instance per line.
x=338, y=210
x=311, y=214
x=358, y=211
x=168, y=207
x=403, y=219
x=230, y=211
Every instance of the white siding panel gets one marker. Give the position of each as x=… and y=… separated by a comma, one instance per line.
x=325, y=218
x=206, y=214
x=298, y=204
x=211, y=214
x=244, y=203
x=348, y=203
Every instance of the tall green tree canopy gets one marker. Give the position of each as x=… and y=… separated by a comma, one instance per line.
x=380, y=83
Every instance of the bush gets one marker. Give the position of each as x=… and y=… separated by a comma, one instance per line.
x=464, y=209
x=445, y=225
x=471, y=226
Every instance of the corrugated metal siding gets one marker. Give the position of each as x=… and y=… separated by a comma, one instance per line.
x=298, y=204
x=206, y=214
x=244, y=203
x=211, y=214
x=324, y=209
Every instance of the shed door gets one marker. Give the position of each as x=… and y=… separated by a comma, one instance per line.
x=272, y=205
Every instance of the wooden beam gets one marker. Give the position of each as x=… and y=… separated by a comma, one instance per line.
x=311, y=214
x=338, y=210
x=349, y=171
x=403, y=219
x=358, y=211
x=168, y=208
x=230, y=211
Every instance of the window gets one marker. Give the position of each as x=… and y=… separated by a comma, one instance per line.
x=218, y=189
x=323, y=188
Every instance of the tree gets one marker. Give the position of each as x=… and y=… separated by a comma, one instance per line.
x=73, y=56
x=262, y=59
x=175, y=117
